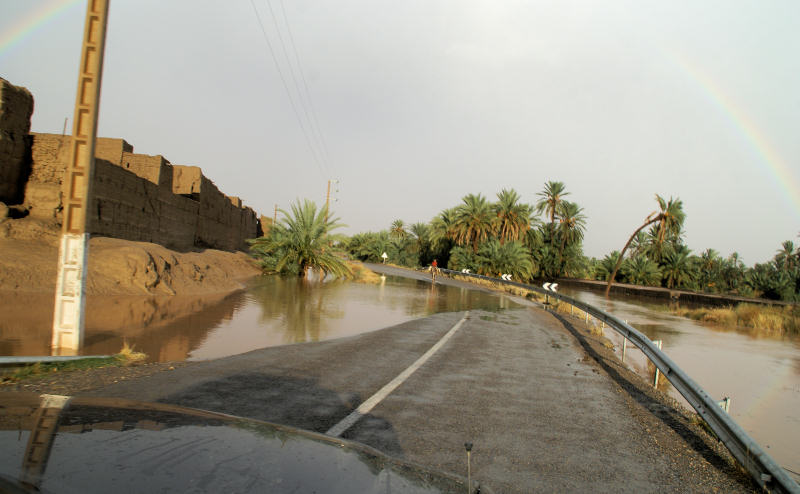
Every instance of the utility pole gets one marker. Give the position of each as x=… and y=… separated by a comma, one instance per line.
x=73, y=252
x=328, y=200
x=275, y=215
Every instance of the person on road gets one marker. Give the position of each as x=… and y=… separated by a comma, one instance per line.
x=434, y=270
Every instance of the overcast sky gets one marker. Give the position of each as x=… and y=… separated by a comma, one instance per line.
x=414, y=104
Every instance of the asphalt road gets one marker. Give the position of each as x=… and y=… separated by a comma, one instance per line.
x=544, y=406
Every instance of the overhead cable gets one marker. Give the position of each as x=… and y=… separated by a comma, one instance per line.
x=288, y=92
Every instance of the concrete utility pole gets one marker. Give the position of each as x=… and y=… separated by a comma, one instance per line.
x=328, y=200
x=73, y=252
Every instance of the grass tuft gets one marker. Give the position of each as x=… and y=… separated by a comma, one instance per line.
x=362, y=274
x=127, y=356
x=769, y=320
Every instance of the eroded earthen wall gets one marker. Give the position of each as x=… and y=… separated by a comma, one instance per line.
x=16, y=108
x=140, y=197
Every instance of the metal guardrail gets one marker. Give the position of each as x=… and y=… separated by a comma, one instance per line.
x=46, y=359
x=765, y=471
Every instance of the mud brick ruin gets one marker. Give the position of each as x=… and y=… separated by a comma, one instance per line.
x=134, y=196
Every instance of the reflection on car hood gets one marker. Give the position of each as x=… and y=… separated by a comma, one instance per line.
x=61, y=444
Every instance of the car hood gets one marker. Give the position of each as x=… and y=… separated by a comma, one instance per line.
x=61, y=444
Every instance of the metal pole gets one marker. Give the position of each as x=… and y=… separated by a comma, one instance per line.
x=624, y=347
x=328, y=196
x=68, y=319
x=655, y=381
x=468, y=447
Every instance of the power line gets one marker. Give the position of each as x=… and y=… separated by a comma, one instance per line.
x=316, y=125
x=296, y=84
x=288, y=93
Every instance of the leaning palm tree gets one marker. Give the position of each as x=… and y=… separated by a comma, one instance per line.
x=668, y=221
x=551, y=196
x=474, y=221
x=301, y=241
x=513, y=217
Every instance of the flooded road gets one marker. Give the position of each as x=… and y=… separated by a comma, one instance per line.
x=760, y=374
x=272, y=311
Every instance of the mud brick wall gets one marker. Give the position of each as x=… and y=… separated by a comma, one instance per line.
x=222, y=220
x=134, y=196
x=130, y=207
x=16, y=108
x=140, y=197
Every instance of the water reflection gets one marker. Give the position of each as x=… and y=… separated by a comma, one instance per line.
x=760, y=373
x=282, y=311
x=273, y=311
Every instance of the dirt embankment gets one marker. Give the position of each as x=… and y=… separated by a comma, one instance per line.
x=29, y=262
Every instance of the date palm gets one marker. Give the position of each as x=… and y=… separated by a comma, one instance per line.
x=442, y=229
x=301, y=241
x=786, y=258
x=571, y=225
x=677, y=269
x=398, y=229
x=668, y=222
x=641, y=271
x=513, y=217
x=551, y=196
x=512, y=258
x=474, y=221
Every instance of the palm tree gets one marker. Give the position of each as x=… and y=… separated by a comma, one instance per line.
x=474, y=221
x=710, y=270
x=571, y=225
x=511, y=258
x=785, y=258
x=442, y=232
x=398, y=229
x=551, y=196
x=668, y=221
x=640, y=245
x=678, y=269
x=300, y=241
x=513, y=217
x=640, y=270
x=604, y=268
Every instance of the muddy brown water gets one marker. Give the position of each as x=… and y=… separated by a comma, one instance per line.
x=272, y=311
x=761, y=374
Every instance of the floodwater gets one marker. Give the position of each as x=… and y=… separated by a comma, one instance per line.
x=761, y=374
x=272, y=311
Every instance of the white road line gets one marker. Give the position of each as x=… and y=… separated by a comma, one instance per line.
x=372, y=401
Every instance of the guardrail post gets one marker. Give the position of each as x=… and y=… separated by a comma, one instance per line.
x=655, y=381
x=725, y=404
x=624, y=347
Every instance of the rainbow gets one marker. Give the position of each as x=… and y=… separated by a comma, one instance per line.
x=33, y=21
x=784, y=177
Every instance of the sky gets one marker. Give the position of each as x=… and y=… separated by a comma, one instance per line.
x=412, y=105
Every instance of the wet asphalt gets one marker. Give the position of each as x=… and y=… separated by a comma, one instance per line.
x=541, y=414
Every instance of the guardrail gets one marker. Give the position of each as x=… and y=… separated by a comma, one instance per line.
x=764, y=470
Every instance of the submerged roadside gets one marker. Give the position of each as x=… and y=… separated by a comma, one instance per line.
x=545, y=402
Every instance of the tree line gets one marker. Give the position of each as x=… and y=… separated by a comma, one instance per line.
x=539, y=241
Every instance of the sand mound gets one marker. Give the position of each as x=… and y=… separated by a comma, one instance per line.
x=29, y=261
